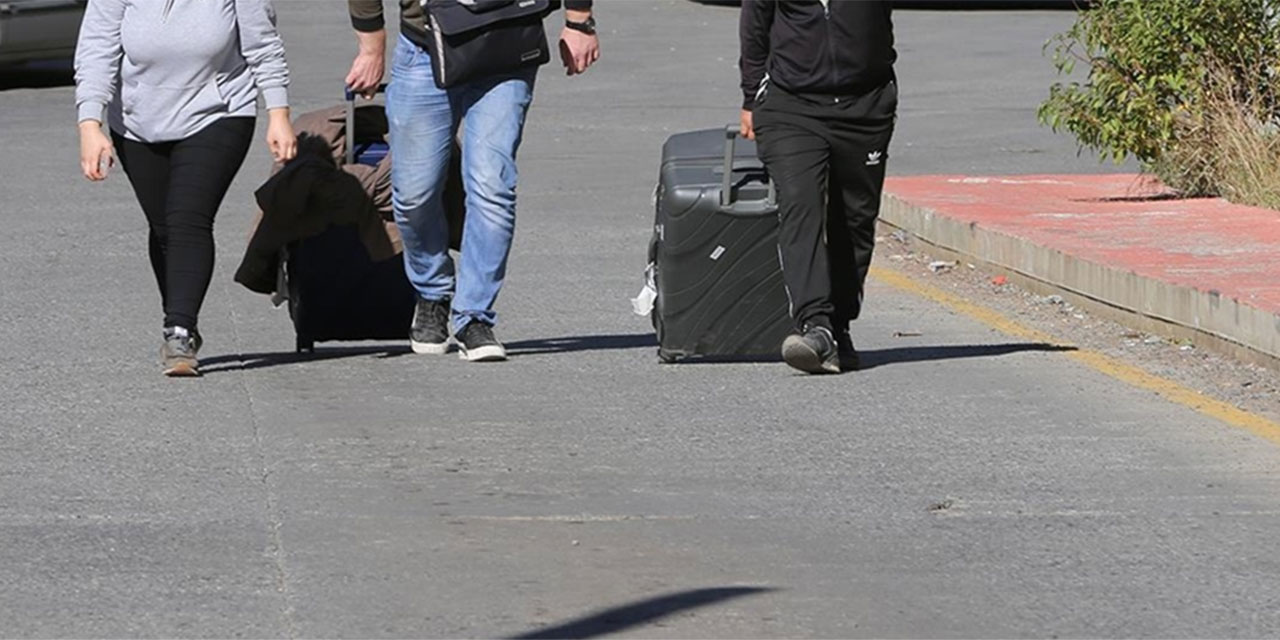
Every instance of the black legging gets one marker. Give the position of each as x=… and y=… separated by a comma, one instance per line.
x=180, y=186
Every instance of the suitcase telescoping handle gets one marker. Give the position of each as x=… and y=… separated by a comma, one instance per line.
x=350, y=96
x=727, y=201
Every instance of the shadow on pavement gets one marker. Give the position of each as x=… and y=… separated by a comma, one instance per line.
x=954, y=5
x=616, y=619
x=582, y=343
x=879, y=357
x=741, y=359
x=1154, y=197
x=37, y=76
x=870, y=359
x=620, y=341
x=246, y=361
x=873, y=358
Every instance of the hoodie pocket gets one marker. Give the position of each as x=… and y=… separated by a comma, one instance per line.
x=157, y=113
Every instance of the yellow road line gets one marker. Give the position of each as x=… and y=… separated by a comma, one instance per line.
x=1168, y=389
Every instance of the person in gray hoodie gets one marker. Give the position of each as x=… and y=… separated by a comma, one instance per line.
x=177, y=84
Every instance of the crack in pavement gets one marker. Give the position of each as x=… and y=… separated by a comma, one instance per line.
x=275, y=547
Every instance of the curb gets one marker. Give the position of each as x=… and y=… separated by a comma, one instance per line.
x=1206, y=318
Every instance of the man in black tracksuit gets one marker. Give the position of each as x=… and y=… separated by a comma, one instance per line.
x=820, y=99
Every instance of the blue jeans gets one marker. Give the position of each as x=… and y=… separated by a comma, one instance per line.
x=424, y=120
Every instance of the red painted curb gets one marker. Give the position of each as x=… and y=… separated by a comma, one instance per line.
x=1205, y=249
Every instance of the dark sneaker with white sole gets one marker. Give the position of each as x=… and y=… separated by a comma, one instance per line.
x=477, y=344
x=429, y=332
x=846, y=353
x=814, y=351
x=178, y=355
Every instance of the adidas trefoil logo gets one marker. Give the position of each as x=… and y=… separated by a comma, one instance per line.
x=874, y=158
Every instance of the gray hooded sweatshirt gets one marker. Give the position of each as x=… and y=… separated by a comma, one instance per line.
x=165, y=69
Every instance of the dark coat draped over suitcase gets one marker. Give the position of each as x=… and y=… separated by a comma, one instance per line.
x=325, y=240
x=305, y=198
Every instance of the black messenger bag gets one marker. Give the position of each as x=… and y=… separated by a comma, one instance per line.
x=473, y=39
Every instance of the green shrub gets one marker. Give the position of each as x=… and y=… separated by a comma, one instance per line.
x=1159, y=72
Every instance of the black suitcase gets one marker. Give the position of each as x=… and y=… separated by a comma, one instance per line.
x=337, y=293
x=715, y=251
x=334, y=290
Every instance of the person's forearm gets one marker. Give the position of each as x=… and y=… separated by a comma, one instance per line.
x=754, y=25
x=97, y=58
x=263, y=50
x=372, y=42
x=370, y=63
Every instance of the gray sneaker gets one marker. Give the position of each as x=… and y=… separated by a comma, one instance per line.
x=813, y=352
x=178, y=355
x=429, y=332
x=477, y=344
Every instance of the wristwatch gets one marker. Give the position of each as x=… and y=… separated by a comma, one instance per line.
x=588, y=27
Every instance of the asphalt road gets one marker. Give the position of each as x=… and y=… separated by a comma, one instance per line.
x=965, y=485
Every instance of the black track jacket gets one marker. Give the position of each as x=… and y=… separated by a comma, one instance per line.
x=838, y=47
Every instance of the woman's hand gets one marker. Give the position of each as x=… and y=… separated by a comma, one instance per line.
x=95, y=151
x=280, y=137
x=747, y=125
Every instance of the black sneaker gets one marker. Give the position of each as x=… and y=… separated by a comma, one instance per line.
x=429, y=332
x=178, y=355
x=477, y=344
x=813, y=352
x=846, y=353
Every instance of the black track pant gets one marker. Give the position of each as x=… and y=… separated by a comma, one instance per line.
x=180, y=186
x=827, y=156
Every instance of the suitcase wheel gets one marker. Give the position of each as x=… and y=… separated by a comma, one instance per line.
x=306, y=345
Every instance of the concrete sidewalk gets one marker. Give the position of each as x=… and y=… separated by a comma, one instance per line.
x=1200, y=269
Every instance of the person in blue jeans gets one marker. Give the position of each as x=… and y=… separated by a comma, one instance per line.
x=424, y=119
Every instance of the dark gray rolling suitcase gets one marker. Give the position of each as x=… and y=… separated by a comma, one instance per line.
x=715, y=251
